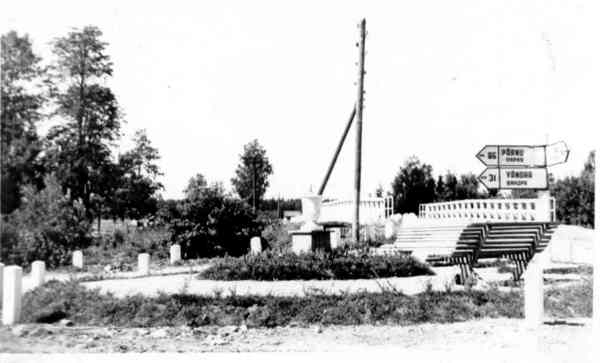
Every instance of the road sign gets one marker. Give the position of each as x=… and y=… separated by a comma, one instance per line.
x=557, y=153
x=512, y=155
x=524, y=155
x=514, y=178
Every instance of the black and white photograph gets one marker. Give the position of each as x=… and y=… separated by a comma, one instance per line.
x=299, y=181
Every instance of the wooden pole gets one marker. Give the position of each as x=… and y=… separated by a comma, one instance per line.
x=359, y=114
x=337, y=152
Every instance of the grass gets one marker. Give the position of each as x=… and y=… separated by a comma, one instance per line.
x=572, y=300
x=314, y=266
x=57, y=300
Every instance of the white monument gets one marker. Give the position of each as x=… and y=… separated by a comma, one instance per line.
x=11, y=297
x=38, y=269
x=311, y=236
x=174, y=253
x=311, y=211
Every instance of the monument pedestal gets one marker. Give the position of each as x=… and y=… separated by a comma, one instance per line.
x=308, y=241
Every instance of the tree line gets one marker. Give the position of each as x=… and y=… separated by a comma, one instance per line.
x=54, y=186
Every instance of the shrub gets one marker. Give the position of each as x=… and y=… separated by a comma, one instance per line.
x=214, y=224
x=47, y=226
x=277, y=237
x=335, y=265
x=56, y=300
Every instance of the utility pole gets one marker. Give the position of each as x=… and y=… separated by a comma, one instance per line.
x=359, y=113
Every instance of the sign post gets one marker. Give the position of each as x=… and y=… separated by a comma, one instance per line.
x=520, y=166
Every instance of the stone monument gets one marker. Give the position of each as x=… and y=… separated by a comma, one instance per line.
x=311, y=235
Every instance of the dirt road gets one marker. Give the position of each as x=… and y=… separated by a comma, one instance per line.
x=480, y=338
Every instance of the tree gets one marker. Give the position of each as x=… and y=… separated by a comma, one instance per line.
x=21, y=103
x=213, y=224
x=135, y=195
x=195, y=186
x=575, y=196
x=252, y=174
x=412, y=186
x=47, y=226
x=468, y=187
x=80, y=146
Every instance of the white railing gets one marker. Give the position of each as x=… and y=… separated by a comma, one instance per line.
x=372, y=210
x=491, y=210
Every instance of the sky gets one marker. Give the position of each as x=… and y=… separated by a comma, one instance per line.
x=444, y=78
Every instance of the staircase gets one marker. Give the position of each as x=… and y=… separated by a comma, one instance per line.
x=463, y=244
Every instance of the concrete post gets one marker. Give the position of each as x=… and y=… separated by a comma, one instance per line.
x=534, y=292
x=175, y=253
x=38, y=270
x=78, y=259
x=11, y=298
x=255, y=245
x=596, y=289
x=1, y=279
x=144, y=264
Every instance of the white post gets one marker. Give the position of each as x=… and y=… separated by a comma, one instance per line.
x=596, y=289
x=144, y=264
x=175, y=253
x=255, y=245
x=534, y=292
x=38, y=269
x=11, y=298
x=78, y=259
x=1, y=279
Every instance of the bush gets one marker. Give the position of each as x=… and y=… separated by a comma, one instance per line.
x=70, y=300
x=214, y=224
x=47, y=226
x=335, y=265
x=277, y=237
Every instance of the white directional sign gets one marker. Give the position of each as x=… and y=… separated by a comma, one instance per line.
x=514, y=178
x=512, y=155
x=524, y=155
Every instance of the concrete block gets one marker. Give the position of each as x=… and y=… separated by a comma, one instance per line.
x=301, y=243
x=11, y=297
x=38, y=270
x=534, y=293
x=335, y=236
x=78, y=259
x=255, y=245
x=144, y=264
x=175, y=253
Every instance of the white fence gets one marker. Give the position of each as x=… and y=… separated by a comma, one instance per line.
x=492, y=210
x=372, y=210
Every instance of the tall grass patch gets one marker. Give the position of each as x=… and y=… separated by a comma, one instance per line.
x=57, y=300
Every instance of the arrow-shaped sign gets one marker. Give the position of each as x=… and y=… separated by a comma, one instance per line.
x=523, y=155
x=514, y=178
x=512, y=155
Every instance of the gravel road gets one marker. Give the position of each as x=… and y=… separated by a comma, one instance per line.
x=483, y=340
